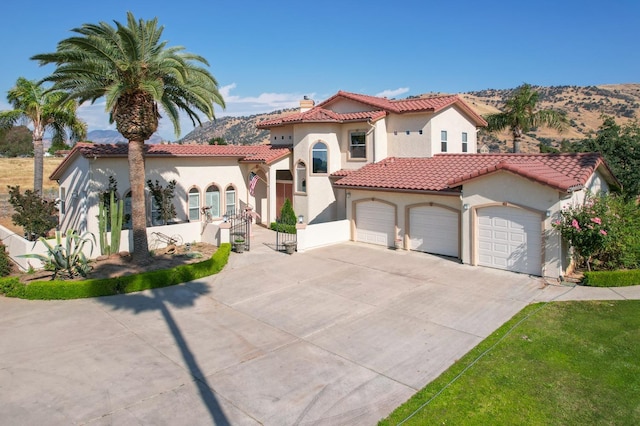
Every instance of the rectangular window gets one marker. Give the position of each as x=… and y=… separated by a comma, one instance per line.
x=156, y=218
x=358, y=145
x=231, y=201
x=443, y=141
x=194, y=206
x=301, y=178
x=464, y=142
x=63, y=200
x=212, y=200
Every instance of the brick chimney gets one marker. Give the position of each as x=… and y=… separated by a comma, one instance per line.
x=306, y=104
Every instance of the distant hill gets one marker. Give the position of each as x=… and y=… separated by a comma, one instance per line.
x=584, y=107
x=112, y=136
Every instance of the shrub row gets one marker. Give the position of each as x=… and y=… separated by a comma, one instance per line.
x=49, y=290
x=283, y=227
x=621, y=278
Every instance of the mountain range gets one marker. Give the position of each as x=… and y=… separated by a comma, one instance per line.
x=584, y=106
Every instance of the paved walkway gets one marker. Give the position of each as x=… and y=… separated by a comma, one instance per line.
x=338, y=335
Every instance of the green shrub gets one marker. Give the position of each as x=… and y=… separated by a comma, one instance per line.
x=12, y=287
x=283, y=227
x=287, y=215
x=612, y=278
x=36, y=215
x=49, y=290
x=5, y=265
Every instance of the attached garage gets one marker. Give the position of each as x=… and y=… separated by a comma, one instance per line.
x=375, y=223
x=510, y=238
x=434, y=229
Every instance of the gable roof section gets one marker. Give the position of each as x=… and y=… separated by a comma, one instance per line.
x=322, y=115
x=266, y=154
x=380, y=108
x=445, y=172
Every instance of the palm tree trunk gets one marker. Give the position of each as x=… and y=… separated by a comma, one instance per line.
x=38, y=165
x=140, y=253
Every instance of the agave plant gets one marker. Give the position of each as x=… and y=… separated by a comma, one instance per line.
x=68, y=260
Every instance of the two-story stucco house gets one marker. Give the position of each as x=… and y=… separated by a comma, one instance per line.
x=403, y=173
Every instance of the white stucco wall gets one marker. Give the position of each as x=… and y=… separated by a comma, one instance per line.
x=455, y=123
x=417, y=143
x=319, y=205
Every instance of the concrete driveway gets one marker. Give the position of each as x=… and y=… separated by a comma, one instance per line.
x=337, y=335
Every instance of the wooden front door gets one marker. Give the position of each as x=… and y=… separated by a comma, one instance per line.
x=284, y=190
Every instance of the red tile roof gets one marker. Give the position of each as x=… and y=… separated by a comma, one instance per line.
x=445, y=172
x=245, y=153
x=381, y=107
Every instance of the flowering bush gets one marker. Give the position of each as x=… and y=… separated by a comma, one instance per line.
x=585, y=229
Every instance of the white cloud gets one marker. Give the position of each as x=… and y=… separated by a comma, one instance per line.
x=392, y=93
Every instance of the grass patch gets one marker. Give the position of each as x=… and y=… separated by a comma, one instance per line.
x=49, y=290
x=612, y=278
x=565, y=363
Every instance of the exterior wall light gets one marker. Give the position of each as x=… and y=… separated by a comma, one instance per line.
x=465, y=206
x=225, y=218
x=548, y=213
x=301, y=219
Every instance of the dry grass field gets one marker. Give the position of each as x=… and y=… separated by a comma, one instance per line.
x=19, y=171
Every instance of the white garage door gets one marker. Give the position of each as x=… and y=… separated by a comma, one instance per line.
x=375, y=223
x=510, y=238
x=434, y=230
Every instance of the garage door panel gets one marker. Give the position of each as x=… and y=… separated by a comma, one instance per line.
x=375, y=223
x=510, y=238
x=434, y=230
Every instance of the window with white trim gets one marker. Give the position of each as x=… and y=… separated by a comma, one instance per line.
x=230, y=200
x=126, y=219
x=358, y=145
x=443, y=141
x=212, y=201
x=465, y=146
x=194, y=204
x=319, y=155
x=63, y=200
x=301, y=177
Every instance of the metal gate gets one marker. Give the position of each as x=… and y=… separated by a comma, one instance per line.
x=285, y=238
x=240, y=222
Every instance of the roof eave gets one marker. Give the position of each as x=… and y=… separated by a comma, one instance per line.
x=447, y=192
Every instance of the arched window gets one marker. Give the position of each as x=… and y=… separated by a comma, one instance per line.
x=126, y=219
x=230, y=200
x=212, y=201
x=301, y=177
x=319, y=157
x=194, y=204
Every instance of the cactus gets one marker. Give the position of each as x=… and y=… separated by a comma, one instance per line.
x=110, y=218
x=117, y=213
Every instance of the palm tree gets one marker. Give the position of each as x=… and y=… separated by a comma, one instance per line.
x=136, y=73
x=520, y=116
x=45, y=111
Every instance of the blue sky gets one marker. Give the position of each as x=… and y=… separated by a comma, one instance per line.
x=266, y=55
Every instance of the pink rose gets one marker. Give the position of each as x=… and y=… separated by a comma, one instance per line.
x=603, y=232
x=575, y=224
x=596, y=220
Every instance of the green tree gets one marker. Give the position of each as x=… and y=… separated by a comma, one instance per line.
x=137, y=74
x=217, y=141
x=46, y=111
x=36, y=215
x=16, y=141
x=520, y=116
x=620, y=147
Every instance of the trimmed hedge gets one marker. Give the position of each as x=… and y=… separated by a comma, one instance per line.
x=612, y=278
x=49, y=290
x=283, y=227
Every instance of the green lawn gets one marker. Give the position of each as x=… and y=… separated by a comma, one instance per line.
x=563, y=363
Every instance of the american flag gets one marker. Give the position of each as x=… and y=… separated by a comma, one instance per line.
x=253, y=180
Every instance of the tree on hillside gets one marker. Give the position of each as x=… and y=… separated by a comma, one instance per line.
x=16, y=141
x=46, y=111
x=620, y=146
x=136, y=73
x=520, y=116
